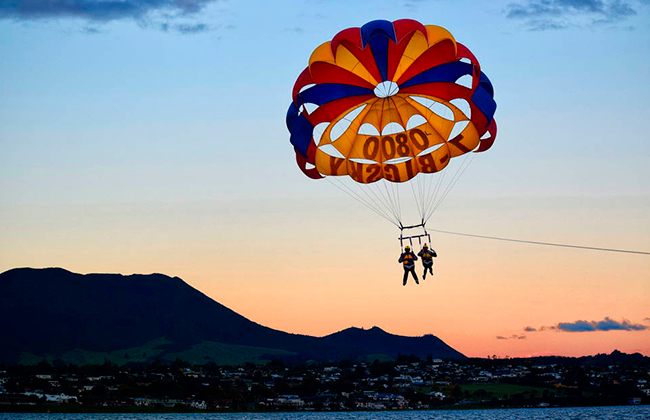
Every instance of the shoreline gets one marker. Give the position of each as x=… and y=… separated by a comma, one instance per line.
x=76, y=409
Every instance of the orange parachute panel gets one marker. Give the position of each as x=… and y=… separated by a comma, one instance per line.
x=381, y=102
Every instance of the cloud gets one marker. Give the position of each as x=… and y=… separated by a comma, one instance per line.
x=413, y=4
x=185, y=28
x=545, y=25
x=606, y=324
x=512, y=337
x=102, y=11
x=296, y=29
x=91, y=30
x=542, y=15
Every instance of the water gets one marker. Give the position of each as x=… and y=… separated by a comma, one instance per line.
x=591, y=413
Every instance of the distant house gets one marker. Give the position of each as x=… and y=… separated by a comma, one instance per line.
x=54, y=398
x=199, y=405
x=436, y=394
x=372, y=405
x=288, y=401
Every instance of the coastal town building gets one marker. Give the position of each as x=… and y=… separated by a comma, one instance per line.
x=341, y=386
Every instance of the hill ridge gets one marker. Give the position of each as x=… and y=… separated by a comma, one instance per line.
x=56, y=311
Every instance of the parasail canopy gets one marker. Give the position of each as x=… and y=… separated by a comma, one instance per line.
x=390, y=101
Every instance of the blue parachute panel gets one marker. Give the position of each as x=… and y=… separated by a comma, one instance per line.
x=448, y=73
x=484, y=101
x=301, y=130
x=377, y=28
x=327, y=92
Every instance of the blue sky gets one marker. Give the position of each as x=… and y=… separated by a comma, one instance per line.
x=125, y=75
x=149, y=136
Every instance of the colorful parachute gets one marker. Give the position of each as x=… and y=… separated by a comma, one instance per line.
x=389, y=101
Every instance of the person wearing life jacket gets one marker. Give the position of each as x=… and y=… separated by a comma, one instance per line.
x=408, y=260
x=427, y=259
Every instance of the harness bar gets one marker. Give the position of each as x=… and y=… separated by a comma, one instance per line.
x=403, y=238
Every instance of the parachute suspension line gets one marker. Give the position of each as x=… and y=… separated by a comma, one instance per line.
x=380, y=189
x=376, y=191
x=378, y=201
x=420, y=182
x=433, y=195
x=368, y=189
x=378, y=210
x=459, y=173
x=415, y=196
x=424, y=192
x=392, y=201
x=416, y=191
x=399, y=200
x=427, y=191
x=432, y=192
x=544, y=243
x=390, y=198
x=445, y=185
x=444, y=188
x=346, y=189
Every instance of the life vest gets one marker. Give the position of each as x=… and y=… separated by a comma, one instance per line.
x=407, y=259
x=427, y=255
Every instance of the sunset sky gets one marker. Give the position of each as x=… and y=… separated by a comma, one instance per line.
x=149, y=136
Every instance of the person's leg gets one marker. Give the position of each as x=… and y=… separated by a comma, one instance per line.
x=415, y=276
x=406, y=275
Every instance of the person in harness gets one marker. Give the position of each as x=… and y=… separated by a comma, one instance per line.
x=408, y=260
x=427, y=260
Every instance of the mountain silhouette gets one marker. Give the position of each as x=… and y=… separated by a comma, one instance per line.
x=53, y=313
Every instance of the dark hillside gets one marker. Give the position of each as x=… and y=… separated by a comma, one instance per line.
x=367, y=341
x=52, y=311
